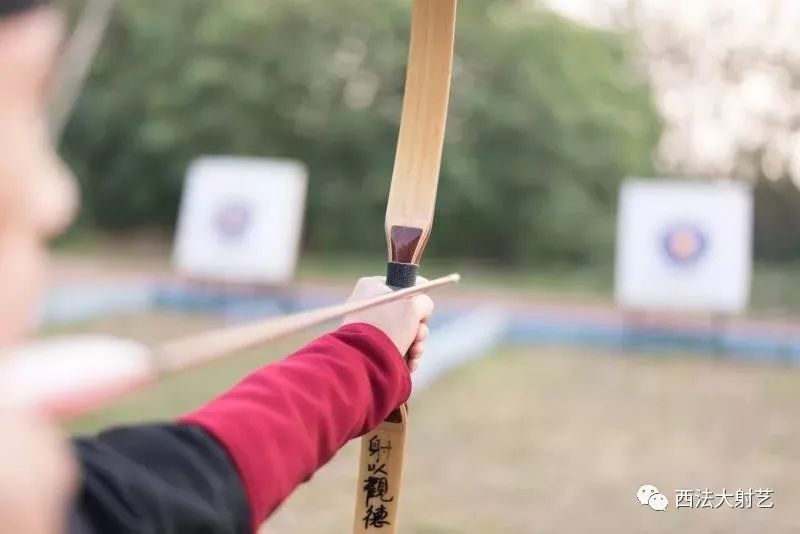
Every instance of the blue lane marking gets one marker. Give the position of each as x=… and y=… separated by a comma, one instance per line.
x=81, y=302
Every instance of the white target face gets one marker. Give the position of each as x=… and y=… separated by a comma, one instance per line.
x=684, y=245
x=241, y=220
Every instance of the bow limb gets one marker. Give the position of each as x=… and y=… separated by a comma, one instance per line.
x=409, y=218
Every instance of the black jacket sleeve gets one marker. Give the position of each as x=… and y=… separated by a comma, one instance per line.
x=157, y=479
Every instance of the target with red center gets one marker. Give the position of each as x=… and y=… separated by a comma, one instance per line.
x=685, y=244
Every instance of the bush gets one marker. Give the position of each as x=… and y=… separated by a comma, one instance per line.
x=546, y=119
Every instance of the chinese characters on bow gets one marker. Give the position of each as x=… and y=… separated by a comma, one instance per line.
x=376, y=487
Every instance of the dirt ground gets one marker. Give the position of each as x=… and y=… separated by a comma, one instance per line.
x=546, y=440
x=559, y=441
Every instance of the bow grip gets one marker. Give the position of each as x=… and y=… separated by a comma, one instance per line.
x=401, y=275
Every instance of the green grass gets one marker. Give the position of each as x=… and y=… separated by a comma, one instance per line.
x=586, y=283
x=775, y=288
x=152, y=251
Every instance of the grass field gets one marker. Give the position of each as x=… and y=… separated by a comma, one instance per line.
x=544, y=440
x=775, y=288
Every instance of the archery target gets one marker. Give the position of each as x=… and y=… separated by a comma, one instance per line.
x=241, y=219
x=684, y=245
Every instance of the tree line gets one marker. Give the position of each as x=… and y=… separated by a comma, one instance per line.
x=547, y=117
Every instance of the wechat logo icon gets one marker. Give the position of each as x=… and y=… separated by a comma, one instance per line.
x=649, y=495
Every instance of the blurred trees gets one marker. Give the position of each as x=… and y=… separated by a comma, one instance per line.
x=726, y=74
x=546, y=118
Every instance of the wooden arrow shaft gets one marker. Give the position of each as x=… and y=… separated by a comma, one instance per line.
x=195, y=349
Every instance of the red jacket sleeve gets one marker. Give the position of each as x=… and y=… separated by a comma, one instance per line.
x=286, y=420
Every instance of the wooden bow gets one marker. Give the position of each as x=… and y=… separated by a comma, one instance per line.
x=409, y=217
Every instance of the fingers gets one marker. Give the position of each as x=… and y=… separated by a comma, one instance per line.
x=416, y=350
x=369, y=286
x=414, y=356
x=417, y=347
x=404, y=321
x=423, y=333
x=377, y=283
x=423, y=307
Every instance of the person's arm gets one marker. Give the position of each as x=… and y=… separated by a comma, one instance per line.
x=281, y=424
x=227, y=466
x=158, y=479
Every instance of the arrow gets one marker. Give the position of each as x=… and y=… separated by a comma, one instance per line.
x=409, y=217
x=105, y=368
x=192, y=350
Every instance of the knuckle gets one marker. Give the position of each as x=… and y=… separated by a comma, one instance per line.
x=425, y=304
x=362, y=282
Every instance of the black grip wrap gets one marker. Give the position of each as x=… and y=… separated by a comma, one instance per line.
x=401, y=275
x=11, y=7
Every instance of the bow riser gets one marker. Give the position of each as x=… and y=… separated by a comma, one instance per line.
x=409, y=218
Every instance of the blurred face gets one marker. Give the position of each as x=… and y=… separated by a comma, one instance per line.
x=37, y=195
x=37, y=199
